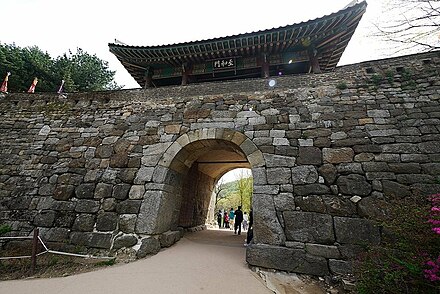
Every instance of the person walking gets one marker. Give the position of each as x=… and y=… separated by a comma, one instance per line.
x=231, y=218
x=219, y=218
x=238, y=220
x=245, y=221
x=226, y=220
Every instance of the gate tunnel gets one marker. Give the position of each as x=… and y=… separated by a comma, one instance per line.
x=194, y=164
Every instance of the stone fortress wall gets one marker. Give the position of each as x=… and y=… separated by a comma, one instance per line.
x=114, y=171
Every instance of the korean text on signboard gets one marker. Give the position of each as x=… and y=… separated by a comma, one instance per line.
x=224, y=63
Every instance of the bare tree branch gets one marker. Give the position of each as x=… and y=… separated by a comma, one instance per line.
x=414, y=25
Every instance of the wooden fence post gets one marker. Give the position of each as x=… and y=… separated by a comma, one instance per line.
x=34, y=251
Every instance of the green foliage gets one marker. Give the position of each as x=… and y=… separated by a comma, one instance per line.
x=389, y=74
x=396, y=266
x=81, y=71
x=376, y=79
x=237, y=193
x=341, y=86
x=4, y=228
x=406, y=75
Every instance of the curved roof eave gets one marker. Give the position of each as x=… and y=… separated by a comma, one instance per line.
x=361, y=5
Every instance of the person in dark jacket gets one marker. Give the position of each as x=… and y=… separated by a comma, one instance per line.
x=219, y=219
x=250, y=232
x=238, y=220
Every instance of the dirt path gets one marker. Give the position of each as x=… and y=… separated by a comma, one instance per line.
x=211, y=261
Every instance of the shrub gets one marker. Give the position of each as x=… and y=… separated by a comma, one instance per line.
x=341, y=86
x=5, y=229
x=408, y=260
x=376, y=79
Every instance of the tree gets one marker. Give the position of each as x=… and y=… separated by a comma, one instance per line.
x=415, y=24
x=220, y=191
x=81, y=71
x=84, y=72
x=244, y=190
x=236, y=193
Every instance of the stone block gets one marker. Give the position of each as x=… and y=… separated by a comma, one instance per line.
x=311, y=189
x=284, y=201
x=278, y=160
x=169, y=238
x=259, y=176
x=364, y=157
x=337, y=155
x=124, y=241
x=109, y=204
x=145, y=174
x=280, y=142
x=267, y=228
x=350, y=168
x=107, y=221
x=84, y=223
x=278, y=175
x=85, y=191
x=127, y=223
x=429, y=147
x=101, y=240
x=420, y=158
x=311, y=203
x=326, y=251
x=266, y=189
x=104, y=151
x=119, y=160
x=380, y=176
x=354, y=185
x=407, y=168
x=120, y=191
x=64, y=219
x=103, y=190
x=286, y=259
x=55, y=234
x=328, y=172
x=256, y=159
x=309, y=155
x=149, y=246
x=378, y=113
x=374, y=208
x=136, y=192
x=63, y=192
x=44, y=218
x=128, y=206
x=400, y=148
x=46, y=189
x=339, y=206
x=309, y=227
x=63, y=205
x=304, y=174
x=87, y=206
x=340, y=267
x=356, y=231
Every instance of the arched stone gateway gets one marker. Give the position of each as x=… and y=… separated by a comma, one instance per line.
x=185, y=176
x=128, y=171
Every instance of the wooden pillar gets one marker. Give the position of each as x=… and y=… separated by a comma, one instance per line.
x=185, y=74
x=313, y=57
x=148, y=77
x=265, y=67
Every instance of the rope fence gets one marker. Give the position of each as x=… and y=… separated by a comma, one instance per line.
x=36, y=239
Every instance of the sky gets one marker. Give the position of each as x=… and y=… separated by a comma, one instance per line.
x=57, y=26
